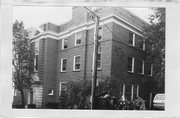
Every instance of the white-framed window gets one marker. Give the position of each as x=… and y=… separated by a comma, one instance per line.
x=51, y=92
x=122, y=91
x=150, y=70
x=135, y=91
x=131, y=64
x=77, y=63
x=100, y=33
x=36, y=63
x=99, y=57
x=62, y=88
x=64, y=44
x=131, y=38
x=63, y=65
x=37, y=47
x=141, y=68
x=78, y=38
x=142, y=44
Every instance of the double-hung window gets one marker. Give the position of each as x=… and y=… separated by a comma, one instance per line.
x=78, y=38
x=99, y=57
x=62, y=88
x=141, y=68
x=63, y=65
x=64, y=44
x=77, y=60
x=132, y=39
x=150, y=69
x=36, y=56
x=36, y=63
x=131, y=64
x=142, y=44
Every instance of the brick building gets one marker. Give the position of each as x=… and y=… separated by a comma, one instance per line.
x=65, y=53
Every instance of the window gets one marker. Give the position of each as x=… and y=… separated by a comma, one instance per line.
x=78, y=39
x=150, y=69
x=99, y=58
x=131, y=64
x=64, y=44
x=100, y=33
x=51, y=92
x=132, y=39
x=76, y=63
x=141, y=68
x=142, y=44
x=135, y=91
x=36, y=63
x=62, y=88
x=36, y=47
x=63, y=65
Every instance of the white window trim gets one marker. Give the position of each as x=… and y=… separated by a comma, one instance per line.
x=137, y=90
x=132, y=66
x=60, y=87
x=76, y=38
x=74, y=63
x=62, y=64
x=142, y=67
x=63, y=44
x=52, y=92
x=144, y=45
x=35, y=60
x=134, y=35
x=151, y=70
x=124, y=88
x=132, y=92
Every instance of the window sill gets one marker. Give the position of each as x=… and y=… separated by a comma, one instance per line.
x=64, y=49
x=77, y=45
x=35, y=71
x=76, y=70
x=99, y=69
x=130, y=72
x=141, y=73
x=63, y=71
x=149, y=75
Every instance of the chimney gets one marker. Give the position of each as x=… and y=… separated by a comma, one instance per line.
x=79, y=15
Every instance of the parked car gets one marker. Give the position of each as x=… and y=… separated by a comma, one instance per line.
x=159, y=101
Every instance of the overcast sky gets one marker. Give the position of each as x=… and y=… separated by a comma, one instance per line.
x=34, y=16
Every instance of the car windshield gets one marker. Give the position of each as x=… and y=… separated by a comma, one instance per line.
x=159, y=97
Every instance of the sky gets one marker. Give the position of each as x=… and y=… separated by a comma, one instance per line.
x=34, y=16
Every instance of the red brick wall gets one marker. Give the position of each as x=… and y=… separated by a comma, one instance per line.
x=49, y=56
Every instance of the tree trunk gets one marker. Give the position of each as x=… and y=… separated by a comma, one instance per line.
x=22, y=97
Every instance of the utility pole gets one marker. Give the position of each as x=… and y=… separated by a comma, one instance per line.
x=94, y=71
x=95, y=53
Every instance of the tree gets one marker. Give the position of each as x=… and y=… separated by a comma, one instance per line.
x=78, y=93
x=155, y=33
x=22, y=54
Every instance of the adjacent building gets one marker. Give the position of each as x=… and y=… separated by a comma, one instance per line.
x=65, y=52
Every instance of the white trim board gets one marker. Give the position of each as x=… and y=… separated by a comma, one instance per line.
x=87, y=26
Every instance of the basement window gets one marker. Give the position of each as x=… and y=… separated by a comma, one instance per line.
x=51, y=92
